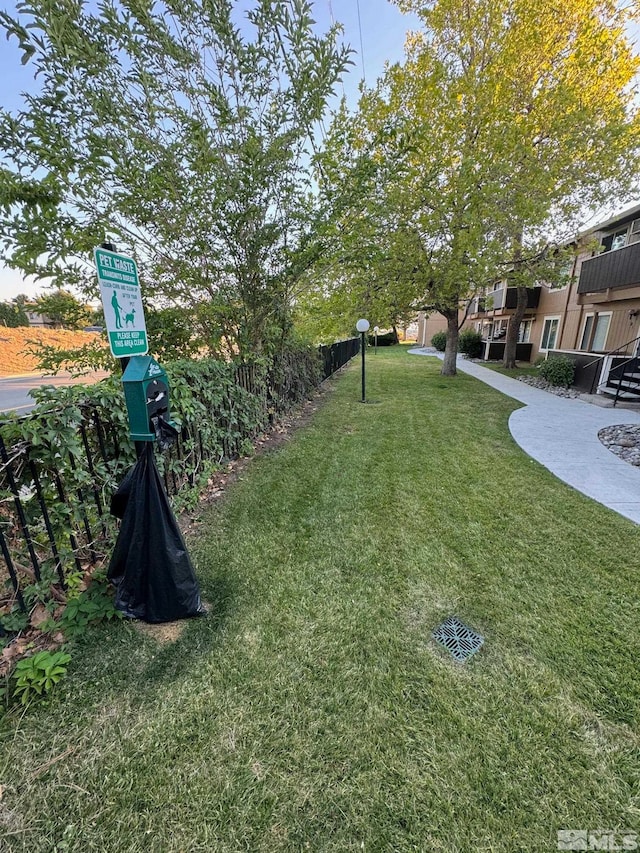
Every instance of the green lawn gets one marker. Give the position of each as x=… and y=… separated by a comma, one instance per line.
x=311, y=710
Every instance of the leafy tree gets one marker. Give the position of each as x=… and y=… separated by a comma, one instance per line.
x=545, y=91
x=173, y=333
x=505, y=122
x=416, y=195
x=368, y=266
x=12, y=313
x=63, y=309
x=181, y=134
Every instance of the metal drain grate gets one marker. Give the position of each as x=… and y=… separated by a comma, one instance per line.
x=458, y=638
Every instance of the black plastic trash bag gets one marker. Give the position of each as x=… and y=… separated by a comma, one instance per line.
x=166, y=433
x=120, y=498
x=150, y=566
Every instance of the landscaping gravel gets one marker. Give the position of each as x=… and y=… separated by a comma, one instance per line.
x=623, y=440
x=558, y=390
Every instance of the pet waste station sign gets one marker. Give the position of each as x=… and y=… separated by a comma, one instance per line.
x=122, y=303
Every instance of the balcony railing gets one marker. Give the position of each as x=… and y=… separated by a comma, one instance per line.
x=504, y=299
x=477, y=305
x=619, y=268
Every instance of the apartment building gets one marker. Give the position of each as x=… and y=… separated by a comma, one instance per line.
x=596, y=311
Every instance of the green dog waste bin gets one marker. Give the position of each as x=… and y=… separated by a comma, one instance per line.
x=146, y=391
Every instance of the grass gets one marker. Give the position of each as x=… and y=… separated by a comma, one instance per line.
x=311, y=710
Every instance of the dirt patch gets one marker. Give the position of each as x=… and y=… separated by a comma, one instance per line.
x=163, y=634
x=14, y=343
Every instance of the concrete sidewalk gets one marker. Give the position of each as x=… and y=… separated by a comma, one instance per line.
x=562, y=434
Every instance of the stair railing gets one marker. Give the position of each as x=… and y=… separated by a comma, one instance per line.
x=613, y=353
x=623, y=377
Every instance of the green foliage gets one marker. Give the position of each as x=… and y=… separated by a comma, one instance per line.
x=77, y=361
x=63, y=309
x=173, y=333
x=36, y=676
x=204, y=177
x=14, y=621
x=505, y=121
x=12, y=314
x=439, y=341
x=295, y=373
x=51, y=439
x=92, y=605
x=388, y=339
x=558, y=370
x=372, y=265
x=470, y=343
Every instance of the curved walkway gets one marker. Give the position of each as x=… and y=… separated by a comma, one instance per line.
x=562, y=434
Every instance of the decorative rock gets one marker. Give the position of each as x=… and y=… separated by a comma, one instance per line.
x=558, y=390
x=624, y=441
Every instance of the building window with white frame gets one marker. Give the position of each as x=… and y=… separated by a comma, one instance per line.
x=616, y=240
x=549, y=333
x=594, y=332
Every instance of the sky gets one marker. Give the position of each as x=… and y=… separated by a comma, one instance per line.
x=383, y=30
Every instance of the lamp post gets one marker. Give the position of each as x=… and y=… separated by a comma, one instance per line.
x=362, y=326
x=375, y=340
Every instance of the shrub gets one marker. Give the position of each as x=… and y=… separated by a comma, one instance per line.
x=470, y=343
x=439, y=341
x=558, y=370
x=388, y=339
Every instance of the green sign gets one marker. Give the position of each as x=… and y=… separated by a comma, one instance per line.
x=122, y=303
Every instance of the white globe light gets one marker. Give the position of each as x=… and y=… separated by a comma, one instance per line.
x=362, y=325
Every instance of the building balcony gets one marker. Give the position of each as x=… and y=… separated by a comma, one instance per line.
x=504, y=300
x=618, y=268
x=477, y=306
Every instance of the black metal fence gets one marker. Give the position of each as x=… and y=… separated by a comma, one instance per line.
x=336, y=355
x=56, y=481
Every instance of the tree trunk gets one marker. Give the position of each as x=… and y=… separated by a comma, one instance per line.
x=451, y=349
x=512, y=331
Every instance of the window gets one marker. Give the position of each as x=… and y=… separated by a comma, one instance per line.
x=524, y=332
x=615, y=241
x=549, y=332
x=499, y=329
x=594, y=332
x=635, y=226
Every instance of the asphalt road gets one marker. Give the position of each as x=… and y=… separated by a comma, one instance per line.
x=14, y=391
